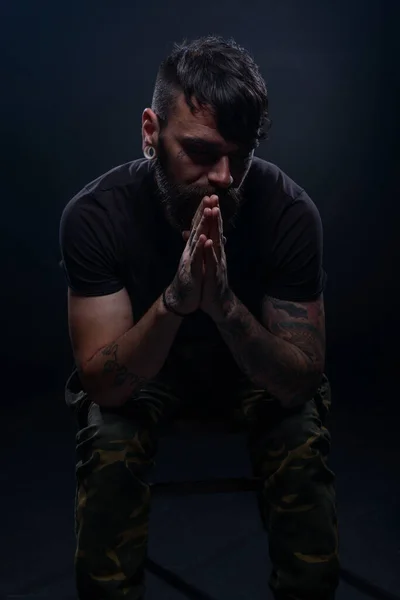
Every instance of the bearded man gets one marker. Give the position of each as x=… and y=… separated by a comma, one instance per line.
x=195, y=283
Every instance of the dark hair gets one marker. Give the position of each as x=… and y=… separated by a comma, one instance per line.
x=221, y=74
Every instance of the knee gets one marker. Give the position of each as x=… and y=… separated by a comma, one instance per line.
x=110, y=473
x=111, y=495
x=113, y=441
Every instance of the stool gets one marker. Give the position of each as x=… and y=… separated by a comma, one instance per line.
x=222, y=423
x=225, y=424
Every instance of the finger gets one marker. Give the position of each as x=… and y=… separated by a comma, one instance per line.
x=202, y=228
x=198, y=215
x=196, y=220
x=210, y=260
x=214, y=201
x=198, y=256
x=215, y=231
x=186, y=235
x=220, y=225
x=207, y=202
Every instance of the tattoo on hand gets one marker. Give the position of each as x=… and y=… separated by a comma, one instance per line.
x=112, y=365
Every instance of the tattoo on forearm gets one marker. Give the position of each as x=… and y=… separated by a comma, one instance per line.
x=300, y=324
x=121, y=373
x=289, y=362
x=261, y=356
x=293, y=310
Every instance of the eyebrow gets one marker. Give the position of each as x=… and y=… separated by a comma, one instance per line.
x=201, y=143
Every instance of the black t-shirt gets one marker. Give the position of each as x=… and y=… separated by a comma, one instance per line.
x=113, y=234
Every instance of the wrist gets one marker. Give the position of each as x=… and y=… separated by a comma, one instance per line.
x=169, y=304
x=224, y=309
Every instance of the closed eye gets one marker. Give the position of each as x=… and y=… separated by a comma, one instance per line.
x=202, y=156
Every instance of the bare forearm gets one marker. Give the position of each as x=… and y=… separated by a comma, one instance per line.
x=114, y=373
x=268, y=361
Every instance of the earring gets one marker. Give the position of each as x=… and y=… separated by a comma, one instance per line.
x=149, y=152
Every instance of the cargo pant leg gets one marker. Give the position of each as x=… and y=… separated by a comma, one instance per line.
x=290, y=449
x=115, y=451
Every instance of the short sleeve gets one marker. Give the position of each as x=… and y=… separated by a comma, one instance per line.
x=88, y=248
x=297, y=272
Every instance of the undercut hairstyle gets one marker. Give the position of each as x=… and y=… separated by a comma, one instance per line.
x=221, y=75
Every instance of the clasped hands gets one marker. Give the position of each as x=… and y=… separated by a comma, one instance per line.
x=215, y=288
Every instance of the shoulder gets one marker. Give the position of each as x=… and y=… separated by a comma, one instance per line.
x=108, y=194
x=275, y=195
x=130, y=174
x=268, y=182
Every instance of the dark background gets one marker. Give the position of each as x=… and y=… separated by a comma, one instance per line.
x=76, y=77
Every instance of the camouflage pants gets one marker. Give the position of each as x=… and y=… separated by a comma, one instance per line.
x=116, y=448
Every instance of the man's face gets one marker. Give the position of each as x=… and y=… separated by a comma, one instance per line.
x=193, y=161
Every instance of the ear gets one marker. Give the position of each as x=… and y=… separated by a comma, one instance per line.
x=150, y=128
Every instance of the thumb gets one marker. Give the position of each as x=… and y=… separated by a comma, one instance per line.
x=186, y=235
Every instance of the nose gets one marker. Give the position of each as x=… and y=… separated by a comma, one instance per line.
x=220, y=174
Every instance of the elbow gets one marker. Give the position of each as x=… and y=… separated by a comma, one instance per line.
x=103, y=392
x=107, y=398
x=303, y=391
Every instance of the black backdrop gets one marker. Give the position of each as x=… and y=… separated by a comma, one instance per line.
x=76, y=77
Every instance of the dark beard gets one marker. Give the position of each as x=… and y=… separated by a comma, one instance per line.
x=180, y=202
